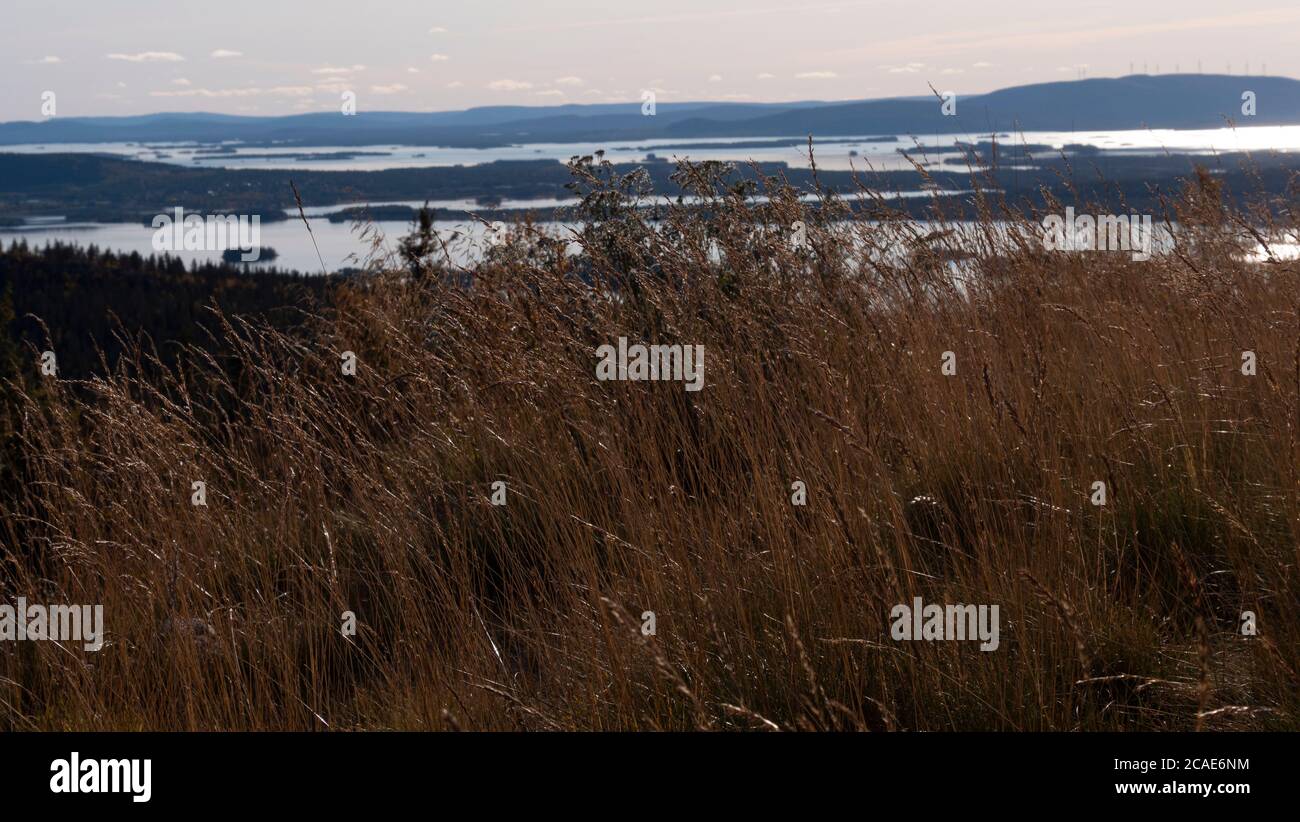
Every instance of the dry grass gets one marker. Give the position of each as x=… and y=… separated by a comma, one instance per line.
x=328, y=493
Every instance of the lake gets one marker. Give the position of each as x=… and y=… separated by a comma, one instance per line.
x=834, y=153
x=338, y=242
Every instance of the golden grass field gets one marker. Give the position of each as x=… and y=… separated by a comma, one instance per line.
x=371, y=493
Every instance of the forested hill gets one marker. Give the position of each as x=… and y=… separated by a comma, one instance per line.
x=84, y=187
x=77, y=292
x=1132, y=102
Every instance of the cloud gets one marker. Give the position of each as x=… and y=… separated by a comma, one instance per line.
x=981, y=64
x=277, y=91
x=412, y=70
x=766, y=76
x=715, y=78
x=48, y=60
x=550, y=92
x=220, y=54
x=438, y=58
x=180, y=81
x=395, y=88
x=816, y=75
x=568, y=81
x=455, y=84
x=953, y=71
x=437, y=30
x=338, y=69
x=148, y=57
x=509, y=85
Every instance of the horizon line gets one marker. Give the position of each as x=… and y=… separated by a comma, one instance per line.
x=634, y=102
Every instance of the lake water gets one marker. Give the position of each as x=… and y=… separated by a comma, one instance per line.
x=836, y=153
x=341, y=245
x=338, y=242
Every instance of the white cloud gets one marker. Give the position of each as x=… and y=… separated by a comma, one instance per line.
x=148, y=57
x=395, y=88
x=953, y=71
x=568, y=81
x=981, y=64
x=224, y=53
x=816, y=75
x=48, y=60
x=437, y=30
x=550, y=92
x=439, y=58
x=180, y=81
x=455, y=84
x=338, y=69
x=715, y=78
x=509, y=85
x=766, y=76
x=412, y=70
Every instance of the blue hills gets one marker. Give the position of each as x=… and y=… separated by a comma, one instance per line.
x=1136, y=101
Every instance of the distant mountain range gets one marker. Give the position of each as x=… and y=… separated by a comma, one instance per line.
x=1137, y=101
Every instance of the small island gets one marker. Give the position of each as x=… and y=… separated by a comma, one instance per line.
x=235, y=256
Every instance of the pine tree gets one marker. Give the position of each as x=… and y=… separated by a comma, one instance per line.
x=417, y=246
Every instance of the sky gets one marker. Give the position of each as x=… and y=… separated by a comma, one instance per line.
x=274, y=57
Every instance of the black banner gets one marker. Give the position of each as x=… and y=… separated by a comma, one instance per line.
x=144, y=772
